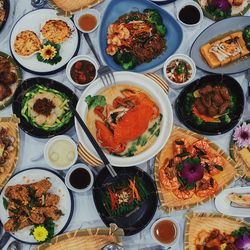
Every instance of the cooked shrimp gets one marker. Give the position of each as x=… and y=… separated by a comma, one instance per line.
x=203, y=145
x=183, y=194
x=206, y=186
x=167, y=183
x=180, y=145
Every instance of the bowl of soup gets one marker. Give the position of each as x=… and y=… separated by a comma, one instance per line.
x=60, y=152
x=81, y=71
x=87, y=20
x=165, y=231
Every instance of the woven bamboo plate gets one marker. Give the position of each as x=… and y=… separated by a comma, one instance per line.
x=68, y=7
x=94, y=238
x=168, y=200
x=195, y=222
x=11, y=123
x=234, y=153
x=89, y=158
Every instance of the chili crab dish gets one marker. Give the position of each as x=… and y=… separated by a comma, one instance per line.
x=190, y=170
x=124, y=119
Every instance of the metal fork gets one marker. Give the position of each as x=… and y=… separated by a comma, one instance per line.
x=104, y=72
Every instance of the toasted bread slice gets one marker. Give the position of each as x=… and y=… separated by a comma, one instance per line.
x=242, y=43
x=210, y=58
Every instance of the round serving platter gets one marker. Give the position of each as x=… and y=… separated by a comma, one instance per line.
x=66, y=203
x=156, y=92
x=68, y=49
x=26, y=86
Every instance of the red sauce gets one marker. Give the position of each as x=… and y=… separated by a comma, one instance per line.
x=83, y=72
x=165, y=231
x=87, y=22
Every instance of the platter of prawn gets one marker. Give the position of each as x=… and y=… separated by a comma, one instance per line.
x=215, y=231
x=130, y=120
x=191, y=170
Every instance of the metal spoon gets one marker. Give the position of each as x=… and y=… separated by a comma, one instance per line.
x=38, y=3
x=14, y=245
x=112, y=246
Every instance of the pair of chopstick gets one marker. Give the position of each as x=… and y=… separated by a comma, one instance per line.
x=93, y=142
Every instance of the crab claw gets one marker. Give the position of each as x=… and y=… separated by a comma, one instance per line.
x=106, y=138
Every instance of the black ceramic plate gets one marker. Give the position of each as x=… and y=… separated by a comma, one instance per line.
x=131, y=223
x=209, y=128
x=6, y=7
x=27, y=85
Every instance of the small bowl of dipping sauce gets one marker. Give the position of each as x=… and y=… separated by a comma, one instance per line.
x=87, y=20
x=179, y=70
x=81, y=71
x=190, y=14
x=165, y=231
x=60, y=152
x=79, y=178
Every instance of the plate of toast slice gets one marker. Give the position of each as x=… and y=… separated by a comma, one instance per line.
x=226, y=51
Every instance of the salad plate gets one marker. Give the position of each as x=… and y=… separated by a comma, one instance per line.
x=212, y=120
x=131, y=215
x=32, y=175
x=220, y=29
x=39, y=123
x=229, y=202
x=171, y=40
x=133, y=153
x=62, y=50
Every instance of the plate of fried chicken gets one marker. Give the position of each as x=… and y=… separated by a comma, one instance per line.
x=35, y=198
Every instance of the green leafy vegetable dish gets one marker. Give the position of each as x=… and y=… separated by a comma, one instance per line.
x=121, y=199
x=46, y=108
x=136, y=38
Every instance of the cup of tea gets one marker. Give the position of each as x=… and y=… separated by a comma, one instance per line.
x=79, y=178
x=165, y=231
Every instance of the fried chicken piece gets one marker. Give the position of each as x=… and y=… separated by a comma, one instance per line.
x=199, y=105
x=9, y=226
x=52, y=212
x=37, y=216
x=5, y=91
x=18, y=192
x=206, y=100
x=24, y=222
x=8, y=78
x=212, y=111
x=223, y=107
x=41, y=187
x=51, y=199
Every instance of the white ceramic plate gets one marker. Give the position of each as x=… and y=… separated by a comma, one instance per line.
x=58, y=187
x=157, y=94
x=33, y=21
x=222, y=203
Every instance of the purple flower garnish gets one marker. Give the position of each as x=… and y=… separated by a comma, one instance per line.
x=192, y=172
x=242, y=135
x=243, y=243
x=223, y=5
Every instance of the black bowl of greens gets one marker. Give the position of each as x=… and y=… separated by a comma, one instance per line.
x=42, y=104
x=211, y=105
x=128, y=200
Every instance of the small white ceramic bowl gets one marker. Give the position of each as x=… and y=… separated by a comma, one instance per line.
x=93, y=12
x=185, y=58
x=193, y=3
x=177, y=231
x=67, y=178
x=50, y=143
x=72, y=62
